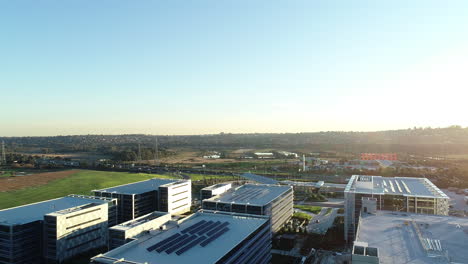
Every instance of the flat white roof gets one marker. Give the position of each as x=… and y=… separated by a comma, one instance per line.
x=406, y=186
x=396, y=237
x=216, y=186
x=240, y=227
x=254, y=194
x=138, y=221
x=139, y=187
x=34, y=212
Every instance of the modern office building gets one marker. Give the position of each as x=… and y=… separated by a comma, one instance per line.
x=128, y=231
x=141, y=198
x=411, y=195
x=53, y=230
x=388, y=237
x=274, y=201
x=206, y=237
x=214, y=190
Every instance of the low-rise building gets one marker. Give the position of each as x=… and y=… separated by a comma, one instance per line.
x=128, y=231
x=54, y=230
x=274, y=201
x=400, y=194
x=264, y=155
x=141, y=198
x=214, y=190
x=205, y=237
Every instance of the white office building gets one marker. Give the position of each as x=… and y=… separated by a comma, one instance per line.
x=275, y=201
x=214, y=190
x=370, y=193
x=141, y=198
x=54, y=230
x=205, y=237
x=130, y=230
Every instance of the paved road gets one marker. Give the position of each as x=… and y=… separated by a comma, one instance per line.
x=325, y=221
x=334, y=203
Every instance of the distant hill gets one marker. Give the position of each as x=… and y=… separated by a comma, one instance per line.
x=450, y=140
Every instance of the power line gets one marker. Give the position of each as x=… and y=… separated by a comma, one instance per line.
x=139, y=152
x=156, y=149
x=3, y=158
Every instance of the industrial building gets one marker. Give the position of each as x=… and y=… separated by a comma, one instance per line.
x=128, y=231
x=141, y=198
x=411, y=195
x=387, y=237
x=54, y=230
x=214, y=190
x=206, y=237
x=274, y=201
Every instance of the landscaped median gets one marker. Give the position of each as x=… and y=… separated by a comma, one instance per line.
x=302, y=216
x=309, y=208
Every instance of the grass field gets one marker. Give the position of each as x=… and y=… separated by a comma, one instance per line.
x=200, y=177
x=81, y=182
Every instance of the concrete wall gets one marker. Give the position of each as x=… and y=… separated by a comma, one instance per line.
x=121, y=234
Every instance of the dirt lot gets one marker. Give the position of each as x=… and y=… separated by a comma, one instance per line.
x=20, y=182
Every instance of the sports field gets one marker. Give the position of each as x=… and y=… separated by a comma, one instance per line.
x=76, y=182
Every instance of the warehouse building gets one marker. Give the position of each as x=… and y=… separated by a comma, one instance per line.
x=141, y=198
x=274, y=201
x=54, y=230
x=205, y=237
x=128, y=231
x=214, y=190
x=394, y=237
x=371, y=193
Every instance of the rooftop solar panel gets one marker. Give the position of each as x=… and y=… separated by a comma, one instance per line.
x=213, y=237
x=208, y=227
x=155, y=246
x=190, y=245
x=181, y=243
x=192, y=226
x=217, y=228
x=198, y=228
x=171, y=243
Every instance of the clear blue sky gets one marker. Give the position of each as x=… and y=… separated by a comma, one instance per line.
x=196, y=67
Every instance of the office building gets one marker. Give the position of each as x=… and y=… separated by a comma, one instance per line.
x=128, y=231
x=54, y=230
x=205, y=237
x=371, y=193
x=274, y=201
x=214, y=190
x=141, y=198
x=398, y=237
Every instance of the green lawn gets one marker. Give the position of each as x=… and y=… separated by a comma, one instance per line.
x=81, y=182
x=302, y=216
x=200, y=177
x=309, y=208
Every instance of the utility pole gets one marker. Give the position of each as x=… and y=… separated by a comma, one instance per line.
x=139, y=152
x=3, y=157
x=303, y=163
x=156, y=150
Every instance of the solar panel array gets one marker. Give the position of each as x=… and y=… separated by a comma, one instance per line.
x=202, y=233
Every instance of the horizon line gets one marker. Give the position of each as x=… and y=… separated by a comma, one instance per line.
x=246, y=133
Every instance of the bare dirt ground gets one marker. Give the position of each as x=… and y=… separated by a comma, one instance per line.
x=20, y=182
